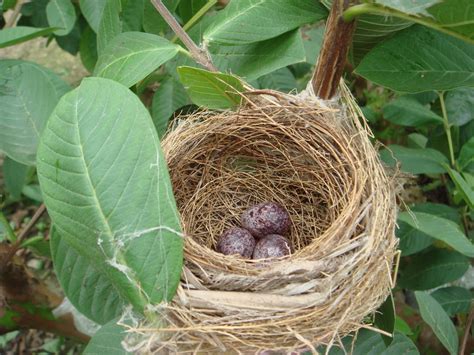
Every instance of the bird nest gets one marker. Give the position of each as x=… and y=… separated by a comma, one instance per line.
x=314, y=158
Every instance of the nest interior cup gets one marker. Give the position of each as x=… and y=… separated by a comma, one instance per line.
x=317, y=161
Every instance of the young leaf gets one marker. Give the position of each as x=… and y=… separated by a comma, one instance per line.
x=107, y=340
x=28, y=95
x=415, y=60
x=406, y=111
x=433, y=269
x=213, y=90
x=434, y=315
x=460, y=106
x=466, y=190
x=415, y=161
x=441, y=229
x=246, y=21
x=170, y=96
x=18, y=34
x=466, y=155
x=453, y=299
x=92, y=11
x=85, y=285
x=61, y=14
x=385, y=318
x=14, y=175
x=110, y=24
x=131, y=56
x=254, y=60
x=107, y=190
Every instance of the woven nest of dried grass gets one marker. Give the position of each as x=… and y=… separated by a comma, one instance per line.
x=316, y=159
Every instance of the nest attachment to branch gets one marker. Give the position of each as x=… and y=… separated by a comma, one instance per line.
x=314, y=158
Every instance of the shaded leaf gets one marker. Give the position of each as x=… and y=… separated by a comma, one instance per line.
x=415, y=60
x=107, y=340
x=312, y=40
x=456, y=16
x=152, y=20
x=412, y=240
x=254, y=60
x=131, y=56
x=466, y=155
x=441, y=229
x=213, y=90
x=87, y=288
x=8, y=4
x=413, y=7
x=439, y=210
x=14, y=35
x=432, y=269
x=407, y=111
x=246, y=21
x=281, y=80
x=434, y=315
x=453, y=299
x=92, y=11
x=107, y=190
x=189, y=8
x=385, y=319
x=415, y=161
x=132, y=15
x=28, y=95
x=402, y=327
x=460, y=106
x=465, y=189
x=14, y=175
x=110, y=24
x=170, y=96
x=61, y=14
x=88, y=49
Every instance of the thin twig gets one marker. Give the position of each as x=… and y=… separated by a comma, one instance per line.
x=201, y=56
x=39, y=212
x=467, y=330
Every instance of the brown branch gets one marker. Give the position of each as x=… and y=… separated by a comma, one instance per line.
x=199, y=55
x=332, y=57
x=467, y=330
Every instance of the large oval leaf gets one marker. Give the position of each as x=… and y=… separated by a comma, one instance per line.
x=247, y=21
x=131, y=56
x=61, y=14
x=107, y=190
x=92, y=11
x=415, y=60
x=28, y=95
x=414, y=160
x=453, y=299
x=86, y=287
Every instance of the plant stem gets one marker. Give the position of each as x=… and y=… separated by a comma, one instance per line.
x=39, y=212
x=332, y=58
x=352, y=12
x=199, y=55
x=10, y=233
x=447, y=128
x=197, y=16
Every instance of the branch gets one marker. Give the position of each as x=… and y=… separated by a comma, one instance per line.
x=332, y=57
x=467, y=330
x=199, y=55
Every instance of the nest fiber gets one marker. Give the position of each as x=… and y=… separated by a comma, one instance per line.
x=315, y=159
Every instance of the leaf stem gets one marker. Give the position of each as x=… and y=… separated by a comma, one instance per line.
x=202, y=11
x=10, y=233
x=354, y=11
x=447, y=128
x=199, y=55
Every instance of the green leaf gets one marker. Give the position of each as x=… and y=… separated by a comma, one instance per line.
x=170, y=96
x=413, y=7
x=61, y=14
x=415, y=161
x=108, y=340
x=402, y=326
x=434, y=315
x=407, y=111
x=416, y=140
x=453, y=299
x=460, y=106
x=466, y=190
x=213, y=90
x=88, y=49
x=313, y=40
x=254, y=60
x=189, y=8
x=33, y=192
x=131, y=56
x=385, y=318
x=439, y=210
x=415, y=60
x=92, y=11
x=247, y=21
x=28, y=95
x=110, y=24
x=455, y=16
x=14, y=175
x=411, y=239
x=432, y=269
x=466, y=155
x=87, y=288
x=371, y=30
x=281, y=80
x=107, y=190
x=152, y=20
x=441, y=229
x=19, y=34
x=8, y=4
x=132, y=15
